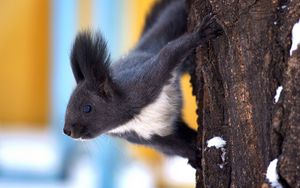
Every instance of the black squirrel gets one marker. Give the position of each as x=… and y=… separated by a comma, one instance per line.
x=137, y=98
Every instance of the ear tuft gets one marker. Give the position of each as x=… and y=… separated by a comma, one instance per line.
x=89, y=57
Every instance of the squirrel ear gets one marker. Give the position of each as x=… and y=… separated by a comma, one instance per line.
x=76, y=68
x=90, y=62
x=89, y=58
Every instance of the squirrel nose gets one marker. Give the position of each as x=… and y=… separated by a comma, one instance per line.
x=67, y=132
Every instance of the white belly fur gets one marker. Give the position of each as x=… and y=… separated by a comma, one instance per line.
x=158, y=117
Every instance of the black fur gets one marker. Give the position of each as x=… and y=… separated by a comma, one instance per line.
x=167, y=22
x=119, y=92
x=154, y=15
x=90, y=61
x=89, y=57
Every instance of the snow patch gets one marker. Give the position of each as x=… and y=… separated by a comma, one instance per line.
x=29, y=152
x=295, y=37
x=219, y=143
x=216, y=141
x=223, y=154
x=272, y=175
x=278, y=92
x=134, y=172
x=223, y=158
x=185, y=174
x=283, y=6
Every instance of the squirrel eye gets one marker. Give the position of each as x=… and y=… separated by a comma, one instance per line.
x=87, y=108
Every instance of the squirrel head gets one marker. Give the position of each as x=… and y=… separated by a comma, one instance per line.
x=94, y=104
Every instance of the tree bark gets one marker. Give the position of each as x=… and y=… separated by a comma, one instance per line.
x=235, y=80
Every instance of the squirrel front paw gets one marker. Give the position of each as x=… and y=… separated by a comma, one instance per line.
x=208, y=29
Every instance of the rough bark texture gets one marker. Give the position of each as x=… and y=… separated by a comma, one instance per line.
x=289, y=160
x=235, y=81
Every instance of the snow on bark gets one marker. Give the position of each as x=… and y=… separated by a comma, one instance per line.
x=216, y=141
x=295, y=37
x=272, y=175
x=278, y=92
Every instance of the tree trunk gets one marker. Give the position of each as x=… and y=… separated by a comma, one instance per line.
x=235, y=80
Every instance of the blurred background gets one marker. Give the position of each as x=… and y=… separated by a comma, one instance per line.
x=35, y=85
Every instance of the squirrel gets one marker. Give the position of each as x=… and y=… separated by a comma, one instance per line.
x=138, y=97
